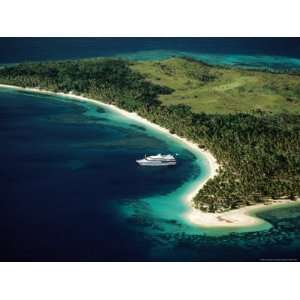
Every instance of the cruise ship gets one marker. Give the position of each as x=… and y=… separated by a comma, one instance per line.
x=157, y=160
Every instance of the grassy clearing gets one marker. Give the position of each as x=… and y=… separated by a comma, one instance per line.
x=212, y=89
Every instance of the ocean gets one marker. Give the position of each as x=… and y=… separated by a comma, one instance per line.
x=71, y=190
x=270, y=53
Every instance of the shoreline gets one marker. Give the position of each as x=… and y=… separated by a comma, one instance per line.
x=236, y=218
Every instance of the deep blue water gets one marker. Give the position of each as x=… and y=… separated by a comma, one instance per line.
x=71, y=191
x=66, y=168
x=258, y=52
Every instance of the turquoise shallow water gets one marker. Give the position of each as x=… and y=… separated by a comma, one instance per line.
x=258, y=61
x=259, y=52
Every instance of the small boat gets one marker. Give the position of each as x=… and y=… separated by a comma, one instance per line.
x=157, y=160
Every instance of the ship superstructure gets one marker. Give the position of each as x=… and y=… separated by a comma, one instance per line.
x=157, y=160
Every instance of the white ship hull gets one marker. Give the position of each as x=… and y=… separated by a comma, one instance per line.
x=148, y=163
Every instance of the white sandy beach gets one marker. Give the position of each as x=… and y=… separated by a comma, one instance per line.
x=240, y=217
x=235, y=218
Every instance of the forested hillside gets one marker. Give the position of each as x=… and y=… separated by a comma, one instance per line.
x=213, y=89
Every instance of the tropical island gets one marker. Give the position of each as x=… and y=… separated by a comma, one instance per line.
x=248, y=120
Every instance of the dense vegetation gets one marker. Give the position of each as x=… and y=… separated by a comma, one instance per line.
x=99, y=78
x=258, y=151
